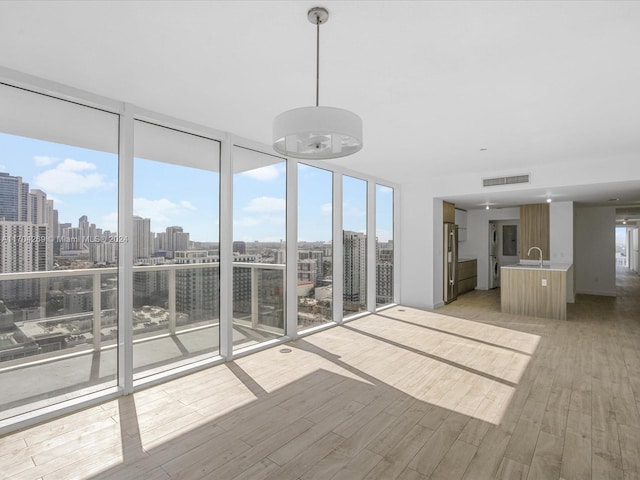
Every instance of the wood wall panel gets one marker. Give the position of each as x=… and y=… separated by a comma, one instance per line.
x=534, y=230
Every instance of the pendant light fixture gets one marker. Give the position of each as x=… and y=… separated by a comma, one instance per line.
x=317, y=133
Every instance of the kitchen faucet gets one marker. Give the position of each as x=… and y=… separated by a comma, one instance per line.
x=536, y=248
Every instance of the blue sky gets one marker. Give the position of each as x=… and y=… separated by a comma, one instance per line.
x=84, y=182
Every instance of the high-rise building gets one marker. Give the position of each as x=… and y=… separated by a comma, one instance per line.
x=355, y=267
x=14, y=198
x=142, y=238
x=240, y=247
x=384, y=272
x=198, y=288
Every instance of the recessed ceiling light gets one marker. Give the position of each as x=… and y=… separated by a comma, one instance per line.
x=548, y=199
x=487, y=207
x=484, y=149
x=613, y=200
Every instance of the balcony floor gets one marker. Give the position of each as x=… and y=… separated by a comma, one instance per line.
x=463, y=392
x=92, y=371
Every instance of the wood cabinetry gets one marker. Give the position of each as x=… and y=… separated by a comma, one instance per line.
x=448, y=212
x=534, y=230
x=467, y=275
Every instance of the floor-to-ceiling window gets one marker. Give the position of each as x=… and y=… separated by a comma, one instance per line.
x=60, y=198
x=384, y=245
x=315, y=246
x=354, y=240
x=259, y=246
x=176, y=274
x=58, y=250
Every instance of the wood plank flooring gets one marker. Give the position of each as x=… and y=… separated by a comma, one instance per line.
x=465, y=392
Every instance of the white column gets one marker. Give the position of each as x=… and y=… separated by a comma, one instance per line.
x=291, y=270
x=226, y=248
x=396, y=242
x=125, y=253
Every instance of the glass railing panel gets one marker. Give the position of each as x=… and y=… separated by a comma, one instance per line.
x=58, y=336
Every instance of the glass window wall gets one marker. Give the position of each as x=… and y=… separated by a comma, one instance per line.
x=354, y=238
x=259, y=247
x=176, y=274
x=384, y=245
x=315, y=252
x=58, y=250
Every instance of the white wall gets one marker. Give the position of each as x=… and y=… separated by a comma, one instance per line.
x=421, y=218
x=561, y=239
x=595, y=250
x=561, y=232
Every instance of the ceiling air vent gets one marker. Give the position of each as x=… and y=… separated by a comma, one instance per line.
x=491, y=182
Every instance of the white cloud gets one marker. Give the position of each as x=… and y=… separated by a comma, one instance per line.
x=161, y=210
x=383, y=189
x=384, y=235
x=2, y=167
x=247, y=222
x=266, y=205
x=354, y=212
x=263, y=174
x=71, y=176
x=43, y=160
x=110, y=222
x=326, y=209
x=186, y=204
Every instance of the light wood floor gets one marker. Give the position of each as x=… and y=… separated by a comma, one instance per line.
x=464, y=392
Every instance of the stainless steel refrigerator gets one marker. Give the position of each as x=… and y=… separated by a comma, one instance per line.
x=450, y=248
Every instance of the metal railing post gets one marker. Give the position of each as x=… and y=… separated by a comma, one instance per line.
x=172, y=301
x=97, y=309
x=255, y=316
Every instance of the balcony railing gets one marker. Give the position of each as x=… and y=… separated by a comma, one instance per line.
x=264, y=313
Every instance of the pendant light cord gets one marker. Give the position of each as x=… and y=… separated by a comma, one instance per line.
x=317, y=60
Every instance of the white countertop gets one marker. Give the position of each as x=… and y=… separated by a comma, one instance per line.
x=527, y=265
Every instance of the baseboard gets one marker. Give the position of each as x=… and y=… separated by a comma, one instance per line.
x=596, y=292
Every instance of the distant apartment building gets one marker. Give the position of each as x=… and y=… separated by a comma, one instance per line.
x=142, y=238
x=355, y=268
x=197, y=288
x=240, y=247
x=384, y=272
x=308, y=271
x=14, y=198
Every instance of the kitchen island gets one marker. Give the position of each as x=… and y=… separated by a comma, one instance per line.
x=537, y=291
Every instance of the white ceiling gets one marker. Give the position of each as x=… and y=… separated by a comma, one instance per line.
x=532, y=82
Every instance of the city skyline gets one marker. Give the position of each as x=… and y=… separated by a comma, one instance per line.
x=72, y=177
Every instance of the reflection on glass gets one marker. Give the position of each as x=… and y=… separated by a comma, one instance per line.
x=176, y=274
x=384, y=245
x=354, y=237
x=259, y=249
x=315, y=252
x=58, y=251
